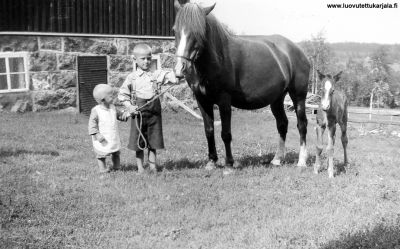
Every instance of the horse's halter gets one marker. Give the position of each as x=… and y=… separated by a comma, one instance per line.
x=193, y=56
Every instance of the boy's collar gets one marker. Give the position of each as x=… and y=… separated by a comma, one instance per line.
x=140, y=71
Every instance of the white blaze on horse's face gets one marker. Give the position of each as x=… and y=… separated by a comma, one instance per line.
x=326, y=98
x=180, y=53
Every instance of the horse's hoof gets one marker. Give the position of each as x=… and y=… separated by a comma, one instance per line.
x=302, y=164
x=228, y=171
x=276, y=162
x=235, y=165
x=317, y=168
x=210, y=165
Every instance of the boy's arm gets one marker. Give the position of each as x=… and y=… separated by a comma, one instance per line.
x=94, y=126
x=122, y=115
x=125, y=94
x=170, y=77
x=165, y=77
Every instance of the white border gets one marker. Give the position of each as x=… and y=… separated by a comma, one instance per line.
x=88, y=35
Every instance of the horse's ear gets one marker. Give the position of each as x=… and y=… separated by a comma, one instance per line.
x=337, y=76
x=207, y=10
x=177, y=5
x=321, y=76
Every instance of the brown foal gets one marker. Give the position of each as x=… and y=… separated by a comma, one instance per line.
x=332, y=111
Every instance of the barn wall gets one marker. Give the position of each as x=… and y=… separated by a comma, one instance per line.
x=53, y=66
x=128, y=17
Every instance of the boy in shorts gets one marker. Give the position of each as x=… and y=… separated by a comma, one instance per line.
x=139, y=88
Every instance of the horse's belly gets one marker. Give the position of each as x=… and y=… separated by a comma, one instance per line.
x=253, y=95
x=252, y=102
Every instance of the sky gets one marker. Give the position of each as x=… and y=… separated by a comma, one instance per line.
x=299, y=20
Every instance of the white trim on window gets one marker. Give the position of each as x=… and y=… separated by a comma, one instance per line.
x=7, y=56
x=156, y=58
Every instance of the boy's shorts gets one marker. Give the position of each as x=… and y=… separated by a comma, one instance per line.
x=151, y=127
x=102, y=156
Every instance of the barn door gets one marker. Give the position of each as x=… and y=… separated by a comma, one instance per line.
x=92, y=70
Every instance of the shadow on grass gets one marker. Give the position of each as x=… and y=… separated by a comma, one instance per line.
x=256, y=161
x=184, y=164
x=382, y=236
x=265, y=160
x=17, y=152
x=170, y=165
x=127, y=167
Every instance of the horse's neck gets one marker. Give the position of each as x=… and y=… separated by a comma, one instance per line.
x=215, y=60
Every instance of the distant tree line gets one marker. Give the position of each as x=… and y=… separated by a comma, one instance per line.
x=372, y=76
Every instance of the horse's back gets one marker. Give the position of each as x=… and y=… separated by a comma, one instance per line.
x=281, y=42
x=264, y=67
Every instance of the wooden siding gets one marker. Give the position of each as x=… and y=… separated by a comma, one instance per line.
x=124, y=17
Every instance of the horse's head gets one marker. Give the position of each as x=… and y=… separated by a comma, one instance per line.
x=190, y=36
x=328, y=87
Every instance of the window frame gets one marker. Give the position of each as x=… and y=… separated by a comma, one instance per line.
x=7, y=56
x=156, y=58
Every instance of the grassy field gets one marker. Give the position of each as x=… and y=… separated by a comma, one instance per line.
x=51, y=195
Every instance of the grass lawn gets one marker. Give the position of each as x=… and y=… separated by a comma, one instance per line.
x=51, y=195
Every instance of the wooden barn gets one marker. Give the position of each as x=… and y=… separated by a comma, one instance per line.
x=53, y=52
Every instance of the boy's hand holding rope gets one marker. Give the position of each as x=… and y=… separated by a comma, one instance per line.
x=135, y=111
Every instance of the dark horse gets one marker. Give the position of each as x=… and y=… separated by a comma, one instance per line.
x=332, y=111
x=244, y=72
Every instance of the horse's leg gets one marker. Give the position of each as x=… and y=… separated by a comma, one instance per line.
x=302, y=127
x=278, y=110
x=319, y=129
x=225, y=111
x=299, y=104
x=330, y=148
x=207, y=112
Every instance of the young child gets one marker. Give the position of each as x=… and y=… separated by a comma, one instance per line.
x=103, y=127
x=139, y=88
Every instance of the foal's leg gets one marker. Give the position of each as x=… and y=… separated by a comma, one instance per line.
x=319, y=129
x=345, y=141
x=225, y=111
x=330, y=148
x=207, y=112
x=278, y=110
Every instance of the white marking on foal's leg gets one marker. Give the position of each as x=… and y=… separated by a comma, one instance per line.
x=303, y=156
x=280, y=153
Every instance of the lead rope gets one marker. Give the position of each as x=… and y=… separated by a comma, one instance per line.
x=139, y=128
x=139, y=123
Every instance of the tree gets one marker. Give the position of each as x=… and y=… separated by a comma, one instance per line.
x=319, y=55
x=379, y=77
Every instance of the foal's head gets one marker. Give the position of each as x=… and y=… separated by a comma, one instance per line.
x=328, y=87
x=190, y=35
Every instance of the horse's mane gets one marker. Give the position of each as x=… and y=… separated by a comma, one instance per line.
x=208, y=32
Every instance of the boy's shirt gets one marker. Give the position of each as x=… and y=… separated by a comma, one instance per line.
x=104, y=121
x=93, y=124
x=144, y=85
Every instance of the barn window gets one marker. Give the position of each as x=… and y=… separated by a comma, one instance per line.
x=13, y=72
x=154, y=65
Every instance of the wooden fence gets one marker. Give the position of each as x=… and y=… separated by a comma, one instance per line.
x=365, y=115
x=124, y=17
